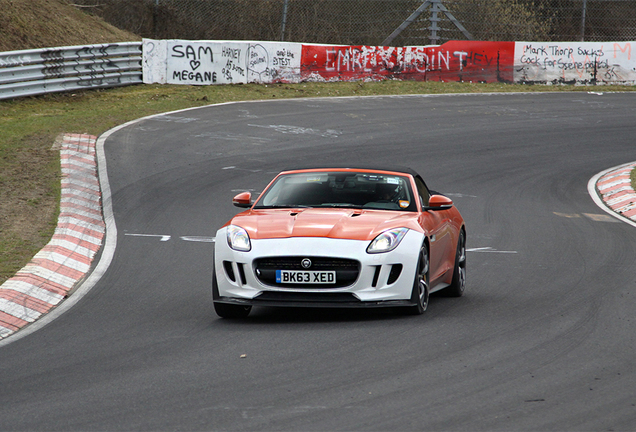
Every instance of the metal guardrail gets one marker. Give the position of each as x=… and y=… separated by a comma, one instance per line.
x=50, y=70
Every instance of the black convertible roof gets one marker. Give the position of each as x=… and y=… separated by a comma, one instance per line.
x=393, y=168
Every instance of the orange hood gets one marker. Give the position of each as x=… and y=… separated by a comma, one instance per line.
x=321, y=222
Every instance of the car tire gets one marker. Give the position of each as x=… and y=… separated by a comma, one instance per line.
x=225, y=310
x=458, y=284
x=420, y=293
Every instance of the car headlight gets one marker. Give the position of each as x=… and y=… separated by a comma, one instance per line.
x=387, y=241
x=238, y=239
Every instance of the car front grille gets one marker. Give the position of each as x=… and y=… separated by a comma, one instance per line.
x=347, y=270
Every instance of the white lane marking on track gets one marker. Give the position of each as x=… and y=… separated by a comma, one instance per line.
x=165, y=238
x=459, y=195
x=162, y=237
x=201, y=239
x=241, y=169
x=490, y=250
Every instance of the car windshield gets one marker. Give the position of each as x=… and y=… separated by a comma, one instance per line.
x=339, y=189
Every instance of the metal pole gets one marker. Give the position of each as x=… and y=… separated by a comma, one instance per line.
x=583, y=21
x=436, y=7
x=434, y=20
x=282, y=26
x=154, y=19
x=406, y=23
x=454, y=21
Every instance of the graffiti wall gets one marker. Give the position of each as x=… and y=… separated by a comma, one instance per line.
x=227, y=62
x=470, y=61
x=453, y=61
x=349, y=63
x=575, y=62
x=220, y=62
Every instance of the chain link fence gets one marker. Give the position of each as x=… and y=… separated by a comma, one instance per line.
x=370, y=22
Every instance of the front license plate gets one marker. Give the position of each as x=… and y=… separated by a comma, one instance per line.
x=305, y=277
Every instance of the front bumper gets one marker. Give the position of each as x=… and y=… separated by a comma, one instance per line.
x=384, y=279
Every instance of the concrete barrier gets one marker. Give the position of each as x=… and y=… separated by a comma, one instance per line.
x=227, y=62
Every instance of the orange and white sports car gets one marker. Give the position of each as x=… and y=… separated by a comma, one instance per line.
x=340, y=237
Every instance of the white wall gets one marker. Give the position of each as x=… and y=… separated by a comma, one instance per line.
x=220, y=62
x=575, y=62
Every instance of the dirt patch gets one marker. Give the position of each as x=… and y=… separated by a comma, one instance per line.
x=29, y=24
x=29, y=199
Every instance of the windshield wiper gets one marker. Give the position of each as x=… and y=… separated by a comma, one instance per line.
x=337, y=205
x=296, y=206
x=283, y=206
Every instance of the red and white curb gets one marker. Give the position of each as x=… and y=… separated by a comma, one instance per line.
x=53, y=272
x=613, y=192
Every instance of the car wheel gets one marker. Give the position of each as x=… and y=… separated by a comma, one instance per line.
x=458, y=284
x=225, y=310
x=420, y=292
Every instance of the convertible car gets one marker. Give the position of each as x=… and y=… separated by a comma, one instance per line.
x=340, y=237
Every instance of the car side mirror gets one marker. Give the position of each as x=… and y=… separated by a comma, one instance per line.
x=439, y=202
x=243, y=200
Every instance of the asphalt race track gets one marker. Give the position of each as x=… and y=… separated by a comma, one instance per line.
x=544, y=338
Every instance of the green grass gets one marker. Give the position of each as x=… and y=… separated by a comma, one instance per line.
x=30, y=170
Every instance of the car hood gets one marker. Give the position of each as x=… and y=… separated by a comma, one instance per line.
x=320, y=222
